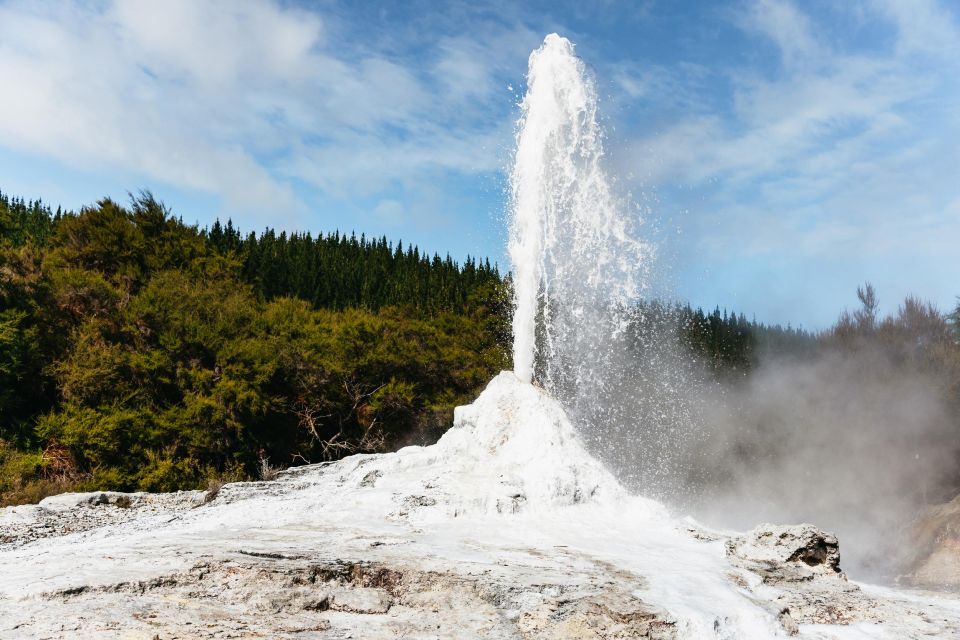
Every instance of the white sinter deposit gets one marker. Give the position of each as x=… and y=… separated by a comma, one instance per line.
x=506, y=528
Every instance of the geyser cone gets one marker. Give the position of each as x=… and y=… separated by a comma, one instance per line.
x=576, y=266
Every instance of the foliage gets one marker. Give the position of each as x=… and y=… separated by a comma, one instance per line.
x=137, y=352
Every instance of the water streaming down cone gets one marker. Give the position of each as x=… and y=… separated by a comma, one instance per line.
x=577, y=267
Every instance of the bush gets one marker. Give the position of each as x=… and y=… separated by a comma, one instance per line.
x=137, y=352
x=22, y=477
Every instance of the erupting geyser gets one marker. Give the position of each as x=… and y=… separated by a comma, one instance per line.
x=576, y=264
x=506, y=528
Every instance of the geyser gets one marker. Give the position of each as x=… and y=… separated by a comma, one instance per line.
x=577, y=266
x=579, y=271
x=735, y=454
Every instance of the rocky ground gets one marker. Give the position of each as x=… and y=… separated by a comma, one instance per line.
x=504, y=529
x=76, y=512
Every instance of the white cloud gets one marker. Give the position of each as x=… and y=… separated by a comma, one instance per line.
x=390, y=212
x=240, y=98
x=93, y=93
x=831, y=155
x=797, y=139
x=787, y=27
x=923, y=26
x=805, y=127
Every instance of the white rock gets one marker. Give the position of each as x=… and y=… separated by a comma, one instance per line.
x=789, y=547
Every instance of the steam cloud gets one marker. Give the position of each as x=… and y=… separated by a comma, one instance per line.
x=857, y=441
x=847, y=441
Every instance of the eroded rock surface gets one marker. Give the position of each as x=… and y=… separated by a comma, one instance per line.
x=249, y=594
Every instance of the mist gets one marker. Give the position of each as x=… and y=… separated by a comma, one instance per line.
x=850, y=442
x=855, y=433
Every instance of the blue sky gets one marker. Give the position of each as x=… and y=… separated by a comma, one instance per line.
x=781, y=152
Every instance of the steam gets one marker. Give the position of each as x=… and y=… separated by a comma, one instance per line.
x=857, y=434
x=854, y=442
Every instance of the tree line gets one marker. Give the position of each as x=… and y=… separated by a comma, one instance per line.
x=336, y=271
x=140, y=352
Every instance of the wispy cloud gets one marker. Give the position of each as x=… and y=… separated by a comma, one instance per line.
x=787, y=27
x=826, y=152
x=923, y=26
x=242, y=99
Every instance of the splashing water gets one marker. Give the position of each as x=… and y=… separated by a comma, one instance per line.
x=577, y=268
